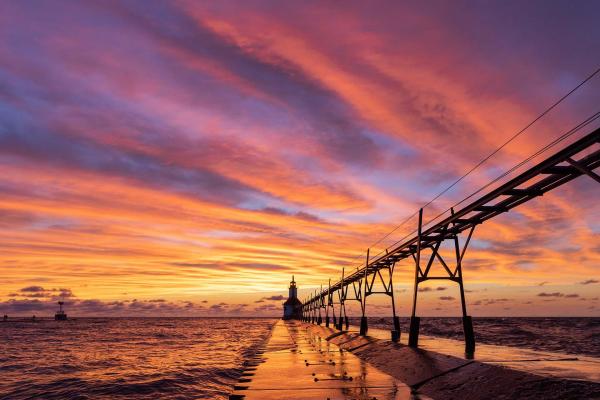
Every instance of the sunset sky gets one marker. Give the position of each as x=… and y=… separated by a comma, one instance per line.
x=186, y=158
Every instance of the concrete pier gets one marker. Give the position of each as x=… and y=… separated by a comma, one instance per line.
x=306, y=361
x=299, y=364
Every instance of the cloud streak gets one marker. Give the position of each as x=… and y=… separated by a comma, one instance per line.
x=178, y=150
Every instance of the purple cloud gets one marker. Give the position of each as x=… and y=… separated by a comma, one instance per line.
x=275, y=298
x=553, y=294
x=33, y=289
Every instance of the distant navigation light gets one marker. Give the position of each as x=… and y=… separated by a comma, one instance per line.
x=60, y=314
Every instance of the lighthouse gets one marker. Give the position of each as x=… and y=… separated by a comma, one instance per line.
x=292, y=308
x=60, y=314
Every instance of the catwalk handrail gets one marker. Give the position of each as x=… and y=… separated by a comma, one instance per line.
x=464, y=218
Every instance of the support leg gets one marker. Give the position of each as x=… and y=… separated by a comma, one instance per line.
x=469, y=336
x=467, y=322
x=364, y=326
x=413, y=335
x=395, y=319
x=396, y=331
x=341, y=318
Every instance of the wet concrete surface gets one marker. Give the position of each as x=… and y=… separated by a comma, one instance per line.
x=440, y=370
x=547, y=364
x=297, y=363
x=306, y=361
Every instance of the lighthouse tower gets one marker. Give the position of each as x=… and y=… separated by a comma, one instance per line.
x=292, y=308
x=60, y=314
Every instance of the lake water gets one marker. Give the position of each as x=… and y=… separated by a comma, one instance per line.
x=201, y=358
x=564, y=335
x=140, y=358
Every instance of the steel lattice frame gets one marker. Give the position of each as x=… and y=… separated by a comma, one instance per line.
x=549, y=174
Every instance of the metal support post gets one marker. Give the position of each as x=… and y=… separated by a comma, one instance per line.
x=315, y=308
x=320, y=304
x=346, y=318
x=364, y=325
x=328, y=304
x=342, y=307
x=395, y=319
x=333, y=311
x=413, y=335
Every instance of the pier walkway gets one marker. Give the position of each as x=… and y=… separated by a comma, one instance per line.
x=307, y=361
x=298, y=364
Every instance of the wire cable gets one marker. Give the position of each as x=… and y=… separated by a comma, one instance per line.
x=515, y=136
x=485, y=159
x=564, y=136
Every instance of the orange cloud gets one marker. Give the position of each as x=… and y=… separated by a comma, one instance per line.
x=215, y=156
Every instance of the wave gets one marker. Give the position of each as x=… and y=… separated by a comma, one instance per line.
x=120, y=358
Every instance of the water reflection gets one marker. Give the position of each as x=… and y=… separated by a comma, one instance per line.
x=117, y=358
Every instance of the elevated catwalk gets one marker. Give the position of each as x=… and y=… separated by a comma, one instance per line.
x=453, y=228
